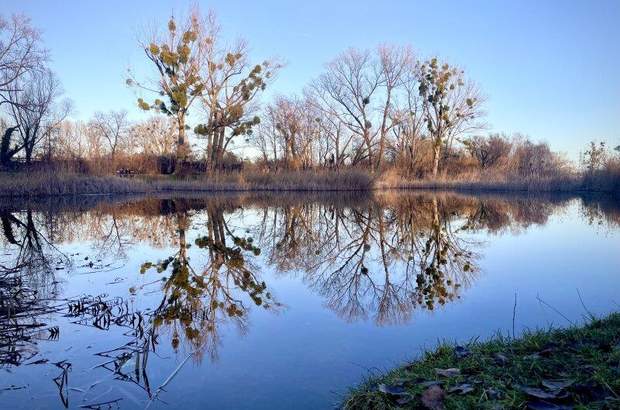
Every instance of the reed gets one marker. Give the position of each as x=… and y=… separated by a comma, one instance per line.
x=39, y=184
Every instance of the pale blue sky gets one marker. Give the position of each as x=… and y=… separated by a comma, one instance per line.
x=548, y=68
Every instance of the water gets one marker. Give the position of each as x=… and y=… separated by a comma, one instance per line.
x=278, y=301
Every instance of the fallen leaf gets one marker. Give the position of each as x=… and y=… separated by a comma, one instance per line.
x=391, y=389
x=493, y=394
x=463, y=388
x=557, y=384
x=590, y=391
x=448, y=372
x=433, y=398
x=542, y=394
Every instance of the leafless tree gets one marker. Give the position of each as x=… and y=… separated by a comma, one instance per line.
x=35, y=111
x=155, y=136
x=488, y=151
x=407, y=117
x=20, y=53
x=346, y=89
x=112, y=128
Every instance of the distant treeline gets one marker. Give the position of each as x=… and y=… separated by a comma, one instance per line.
x=385, y=111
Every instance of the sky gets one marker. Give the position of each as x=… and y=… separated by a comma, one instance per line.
x=548, y=69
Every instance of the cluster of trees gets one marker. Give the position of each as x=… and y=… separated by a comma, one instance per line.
x=109, y=141
x=378, y=109
x=29, y=92
x=372, y=108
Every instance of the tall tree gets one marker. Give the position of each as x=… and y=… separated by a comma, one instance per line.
x=407, y=118
x=178, y=56
x=359, y=87
x=346, y=89
x=112, y=127
x=34, y=110
x=451, y=104
x=20, y=52
x=231, y=87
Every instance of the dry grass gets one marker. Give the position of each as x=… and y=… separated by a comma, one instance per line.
x=39, y=184
x=603, y=181
x=42, y=184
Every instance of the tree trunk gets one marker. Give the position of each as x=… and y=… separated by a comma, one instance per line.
x=369, y=149
x=5, y=147
x=436, y=153
x=181, y=149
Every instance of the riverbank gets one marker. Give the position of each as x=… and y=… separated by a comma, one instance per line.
x=50, y=184
x=578, y=367
x=39, y=185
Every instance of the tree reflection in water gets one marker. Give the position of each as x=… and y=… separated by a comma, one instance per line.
x=377, y=258
x=382, y=258
x=195, y=302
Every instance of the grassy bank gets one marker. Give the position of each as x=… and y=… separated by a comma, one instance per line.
x=50, y=184
x=608, y=182
x=576, y=368
x=38, y=184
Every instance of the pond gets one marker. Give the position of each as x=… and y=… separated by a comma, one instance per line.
x=279, y=301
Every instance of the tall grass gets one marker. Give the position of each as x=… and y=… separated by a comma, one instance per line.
x=606, y=180
x=55, y=184
x=44, y=184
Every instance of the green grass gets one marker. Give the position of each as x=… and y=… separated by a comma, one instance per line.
x=499, y=372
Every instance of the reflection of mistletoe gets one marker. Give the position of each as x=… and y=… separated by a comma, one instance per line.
x=384, y=261
x=195, y=303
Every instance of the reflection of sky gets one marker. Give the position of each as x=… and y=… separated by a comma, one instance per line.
x=299, y=357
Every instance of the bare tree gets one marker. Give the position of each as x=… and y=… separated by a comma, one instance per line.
x=359, y=88
x=155, y=136
x=112, y=127
x=346, y=90
x=20, y=53
x=292, y=128
x=395, y=64
x=33, y=108
x=407, y=117
x=488, y=151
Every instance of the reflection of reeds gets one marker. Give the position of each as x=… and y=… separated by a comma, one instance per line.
x=21, y=310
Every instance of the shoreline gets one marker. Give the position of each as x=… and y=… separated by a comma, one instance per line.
x=550, y=369
x=22, y=185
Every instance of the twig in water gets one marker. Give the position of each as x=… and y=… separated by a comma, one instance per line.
x=169, y=379
x=555, y=310
x=514, y=315
x=590, y=315
x=100, y=405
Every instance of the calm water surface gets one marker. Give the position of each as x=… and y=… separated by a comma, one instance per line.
x=278, y=302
